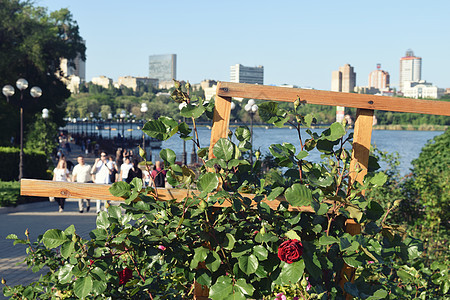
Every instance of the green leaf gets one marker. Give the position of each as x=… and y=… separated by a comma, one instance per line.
x=355, y=213
x=11, y=237
x=379, y=179
x=67, y=249
x=65, y=274
x=353, y=261
x=248, y=264
x=379, y=294
x=98, y=287
x=102, y=220
x=302, y=154
x=208, y=182
x=298, y=195
x=192, y=111
x=137, y=183
x=83, y=287
x=161, y=129
x=70, y=230
x=244, y=287
x=291, y=273
x=327, y=240
x=222, y=289
x=200, y=255
x=275, y=193
x=223, y=149
x=242, y=133
x=168, y=156
x=120, y=189
x=335, y=132
x=53, y=238
x=203, y=277
x=115, y=212
x=374, y=211
x=213, y=261
x=260, y=252
x=229, y=242
x=308, y=120
x=291, y=234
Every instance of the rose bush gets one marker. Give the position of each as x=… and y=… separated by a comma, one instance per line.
x=219, y=236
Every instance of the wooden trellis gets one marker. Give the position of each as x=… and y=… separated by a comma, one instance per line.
x=365, y=104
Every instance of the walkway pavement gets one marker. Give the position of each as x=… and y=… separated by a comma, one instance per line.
x=38, y=218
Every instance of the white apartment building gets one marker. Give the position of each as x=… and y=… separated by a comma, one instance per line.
x=410, y=69
x=102, y=81
x=422, y=89
x=243, y=74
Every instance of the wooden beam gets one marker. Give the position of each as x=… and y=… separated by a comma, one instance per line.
x=47, y=188
x=274, y=93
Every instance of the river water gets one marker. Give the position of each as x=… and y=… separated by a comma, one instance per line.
x=407, y=143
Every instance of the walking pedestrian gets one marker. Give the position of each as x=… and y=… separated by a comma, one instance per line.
x=82, y=173
x=135, y=171
x=102, y=170
x=125, y=168
x=61, y=173
x=159, y=175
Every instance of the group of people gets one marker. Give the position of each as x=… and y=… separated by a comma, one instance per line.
x=106, y=170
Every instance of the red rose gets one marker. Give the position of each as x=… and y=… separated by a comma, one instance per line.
x=290, y=251
x=125, y=275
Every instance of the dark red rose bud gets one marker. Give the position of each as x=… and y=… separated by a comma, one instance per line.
x=290, y=251
x=125, y=275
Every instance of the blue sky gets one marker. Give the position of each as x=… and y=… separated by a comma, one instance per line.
x=297, y=42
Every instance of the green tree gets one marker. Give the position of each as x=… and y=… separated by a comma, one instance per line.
x=32, y=44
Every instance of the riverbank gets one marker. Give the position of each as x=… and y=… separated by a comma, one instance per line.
x=423, y=127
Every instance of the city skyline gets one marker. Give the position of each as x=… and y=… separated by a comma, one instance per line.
x=298, y=43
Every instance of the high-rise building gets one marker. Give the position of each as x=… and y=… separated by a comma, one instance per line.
x=343, y=80
x=410, y=69
x=243, y=74
x=379, y=79
x=163, y=67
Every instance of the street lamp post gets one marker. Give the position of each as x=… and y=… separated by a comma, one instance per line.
x=109, y=126
x=144, y=109
x=122, y=115
x=251, y=108
x=45, y=117
x=35, y=92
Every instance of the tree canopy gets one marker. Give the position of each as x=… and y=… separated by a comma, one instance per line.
x=32, y=43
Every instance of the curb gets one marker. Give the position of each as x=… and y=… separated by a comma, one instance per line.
x=24, y=207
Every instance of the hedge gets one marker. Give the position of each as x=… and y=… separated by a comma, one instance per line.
x=34, y=164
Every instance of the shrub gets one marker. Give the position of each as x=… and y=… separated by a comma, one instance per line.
x=34, y=164
x=237, y=245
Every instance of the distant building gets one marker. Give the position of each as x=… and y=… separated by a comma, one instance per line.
x=379, y=79
x=366, y=90
x=163, y=68
x=243, y=74
x=422, y=89
x=410, y=69
x=102, y=81
x=73, y=72
x=133, y=82
x=343, y=80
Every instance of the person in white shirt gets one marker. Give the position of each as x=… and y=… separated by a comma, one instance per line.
x=125, y=168
x=82, y=173
x=61, y=173
x=102, y=169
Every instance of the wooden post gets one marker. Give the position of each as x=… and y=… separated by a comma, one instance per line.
x=221, y=119
x=358, y=169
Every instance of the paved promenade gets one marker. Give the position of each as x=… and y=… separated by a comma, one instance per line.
x=38, y=218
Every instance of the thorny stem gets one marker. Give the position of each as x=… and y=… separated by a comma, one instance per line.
x=139, y=273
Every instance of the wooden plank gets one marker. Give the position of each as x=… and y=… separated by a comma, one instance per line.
x=221, y=120
x=242, y=90
x=47, y=188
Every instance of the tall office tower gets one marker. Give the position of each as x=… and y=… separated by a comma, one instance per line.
x=379, y=79
x=343, y=80
x=163, y=67
x=243, y=74
x=410, y=69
